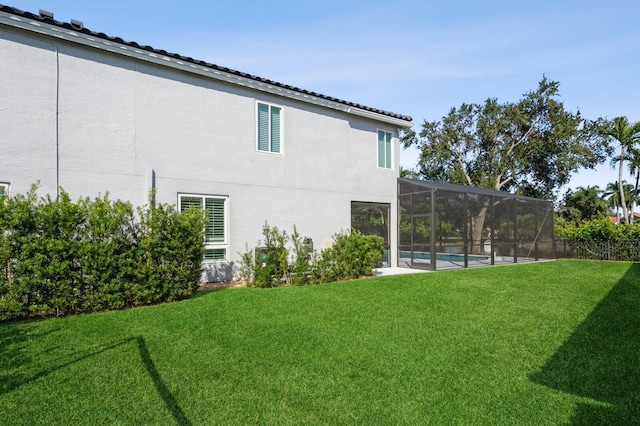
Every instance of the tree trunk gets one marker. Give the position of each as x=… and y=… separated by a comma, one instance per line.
x=621, y=187
x=635, y=197
x=477, y=225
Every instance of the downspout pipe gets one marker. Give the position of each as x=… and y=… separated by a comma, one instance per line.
x=57, y=122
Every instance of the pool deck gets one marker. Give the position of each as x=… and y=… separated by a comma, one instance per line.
x=379, y=272
x=442, y=266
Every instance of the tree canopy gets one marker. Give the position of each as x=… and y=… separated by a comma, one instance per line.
x=585, y=203
x=532, y=146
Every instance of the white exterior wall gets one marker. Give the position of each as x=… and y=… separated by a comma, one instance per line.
x=27, y=113
x=118, y=118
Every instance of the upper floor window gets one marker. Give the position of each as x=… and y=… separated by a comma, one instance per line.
x=215, y=233
x=384, y=149
x=269, y=128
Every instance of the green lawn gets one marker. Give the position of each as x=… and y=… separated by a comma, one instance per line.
x=545, y=343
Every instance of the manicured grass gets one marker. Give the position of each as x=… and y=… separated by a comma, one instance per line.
x=545, y=343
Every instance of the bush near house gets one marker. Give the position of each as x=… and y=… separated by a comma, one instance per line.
x=273, y=263
x=58, y=257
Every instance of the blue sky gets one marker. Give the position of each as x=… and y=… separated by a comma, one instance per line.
x=412, y=57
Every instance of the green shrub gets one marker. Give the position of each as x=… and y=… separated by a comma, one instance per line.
x=352, y=255
x=109, y=252
x=601, y=230
x=271, y=263
x=247, y=266
x=59, y=257
x=171, y=252
x=299, y=269
x=603, y=240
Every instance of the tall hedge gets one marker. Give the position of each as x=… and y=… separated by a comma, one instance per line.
x=601, y=230
x=602, y=239
x=60, y=257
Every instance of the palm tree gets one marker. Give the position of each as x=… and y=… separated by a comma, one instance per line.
x=587, y=201
x=628, y=135
x=612, y=196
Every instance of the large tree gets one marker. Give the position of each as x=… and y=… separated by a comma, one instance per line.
x=534, y=143
x=628, y=136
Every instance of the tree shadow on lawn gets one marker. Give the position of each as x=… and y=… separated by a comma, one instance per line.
x=14, y=336
x=601, y=359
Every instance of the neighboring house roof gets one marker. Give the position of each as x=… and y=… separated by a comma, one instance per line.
x=76, y=32
x=614, y=219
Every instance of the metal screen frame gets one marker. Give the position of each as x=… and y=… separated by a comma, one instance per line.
x=443, y=226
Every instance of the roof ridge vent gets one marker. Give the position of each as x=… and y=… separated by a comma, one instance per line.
x=46, y=14
x=77, y=24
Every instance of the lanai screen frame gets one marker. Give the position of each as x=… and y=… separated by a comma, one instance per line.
x=436, y=226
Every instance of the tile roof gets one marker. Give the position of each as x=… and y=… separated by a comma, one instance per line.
x=77, y=26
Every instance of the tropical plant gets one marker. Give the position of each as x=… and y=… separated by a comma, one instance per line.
x=585, y=203
x=633, y=161
x=628, y=136
x=612, y=196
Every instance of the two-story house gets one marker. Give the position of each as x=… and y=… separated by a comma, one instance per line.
x=94, y=114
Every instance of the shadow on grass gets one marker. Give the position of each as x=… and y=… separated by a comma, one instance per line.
x=209, y=288
x=14, y=336
x=201, y=293
x=166, y=395
x=601, y=359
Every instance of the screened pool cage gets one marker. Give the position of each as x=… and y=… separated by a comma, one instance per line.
x=445, y=226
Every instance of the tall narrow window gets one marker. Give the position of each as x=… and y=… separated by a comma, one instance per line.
x=384, y=149
x=4, y=189
x=215, y=233
x=269, y=122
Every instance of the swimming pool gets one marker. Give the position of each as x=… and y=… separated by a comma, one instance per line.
x=445, y=257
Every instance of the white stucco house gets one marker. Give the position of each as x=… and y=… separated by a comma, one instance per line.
x=93, y=114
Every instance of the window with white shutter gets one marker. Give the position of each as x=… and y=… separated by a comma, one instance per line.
x=216, y=242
